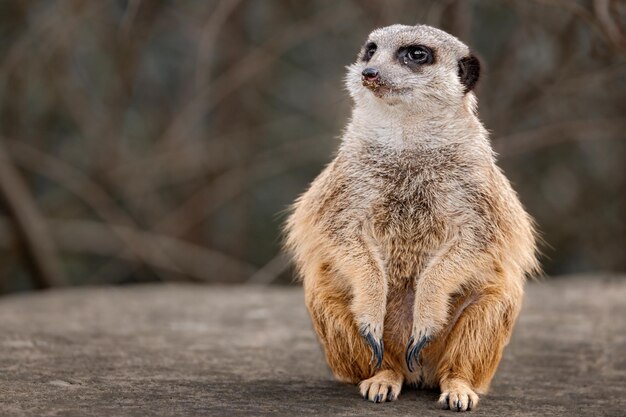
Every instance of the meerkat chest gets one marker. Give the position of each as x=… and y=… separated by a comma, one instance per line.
x=409, y=218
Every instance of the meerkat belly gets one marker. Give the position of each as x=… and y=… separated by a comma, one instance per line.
x=408, y=234
x=404, y=258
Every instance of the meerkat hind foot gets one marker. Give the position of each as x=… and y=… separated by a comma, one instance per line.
x=384, y=386
x=457, y=396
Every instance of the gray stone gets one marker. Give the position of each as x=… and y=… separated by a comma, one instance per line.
x=202, y=350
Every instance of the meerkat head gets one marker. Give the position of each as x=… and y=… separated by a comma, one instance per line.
x=417, y=66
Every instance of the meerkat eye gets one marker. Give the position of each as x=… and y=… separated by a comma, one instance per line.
x=417, y=54
x=370, y=49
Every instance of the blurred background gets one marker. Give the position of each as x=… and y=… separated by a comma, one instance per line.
x=147, y=141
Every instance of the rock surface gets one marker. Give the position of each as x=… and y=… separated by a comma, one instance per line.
x=200, y=350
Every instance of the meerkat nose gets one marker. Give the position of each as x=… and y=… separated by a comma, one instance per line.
x=370, y=74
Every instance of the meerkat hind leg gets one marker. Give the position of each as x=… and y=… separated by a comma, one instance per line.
x=385, y=385
x=474, y=347
x=349, y=352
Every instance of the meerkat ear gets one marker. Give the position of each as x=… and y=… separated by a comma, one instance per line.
x=469, y=70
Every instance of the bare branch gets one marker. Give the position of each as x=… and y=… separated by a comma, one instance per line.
x=40, y=248
x=551, y=135
x=246, y=69
x=610, y=27
x=232, y=183
x=208, y=38
x=85, y=189
x=271, y=270
x=91, y=237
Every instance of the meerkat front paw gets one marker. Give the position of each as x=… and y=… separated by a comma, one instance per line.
x=384, y=386
x=427, y=324
x=418, y=340
x=458, y=396
x=373, y=335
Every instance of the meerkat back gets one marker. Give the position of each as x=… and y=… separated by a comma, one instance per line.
x=411, y=244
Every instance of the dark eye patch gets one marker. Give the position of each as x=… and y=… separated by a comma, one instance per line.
x=414, y=56
x=370, y=50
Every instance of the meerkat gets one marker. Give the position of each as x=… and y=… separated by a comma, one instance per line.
x=411, y=244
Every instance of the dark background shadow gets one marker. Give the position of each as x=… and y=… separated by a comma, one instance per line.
x=157, y=141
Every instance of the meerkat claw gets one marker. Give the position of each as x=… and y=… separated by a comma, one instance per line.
x=378, y=349
x=413, y=351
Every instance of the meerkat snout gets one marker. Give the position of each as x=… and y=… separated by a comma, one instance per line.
x=371, y=78
x=370, y=74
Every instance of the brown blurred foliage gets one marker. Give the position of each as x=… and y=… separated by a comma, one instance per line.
x=161, y=140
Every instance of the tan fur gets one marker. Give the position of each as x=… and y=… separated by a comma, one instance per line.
x=412, y=230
